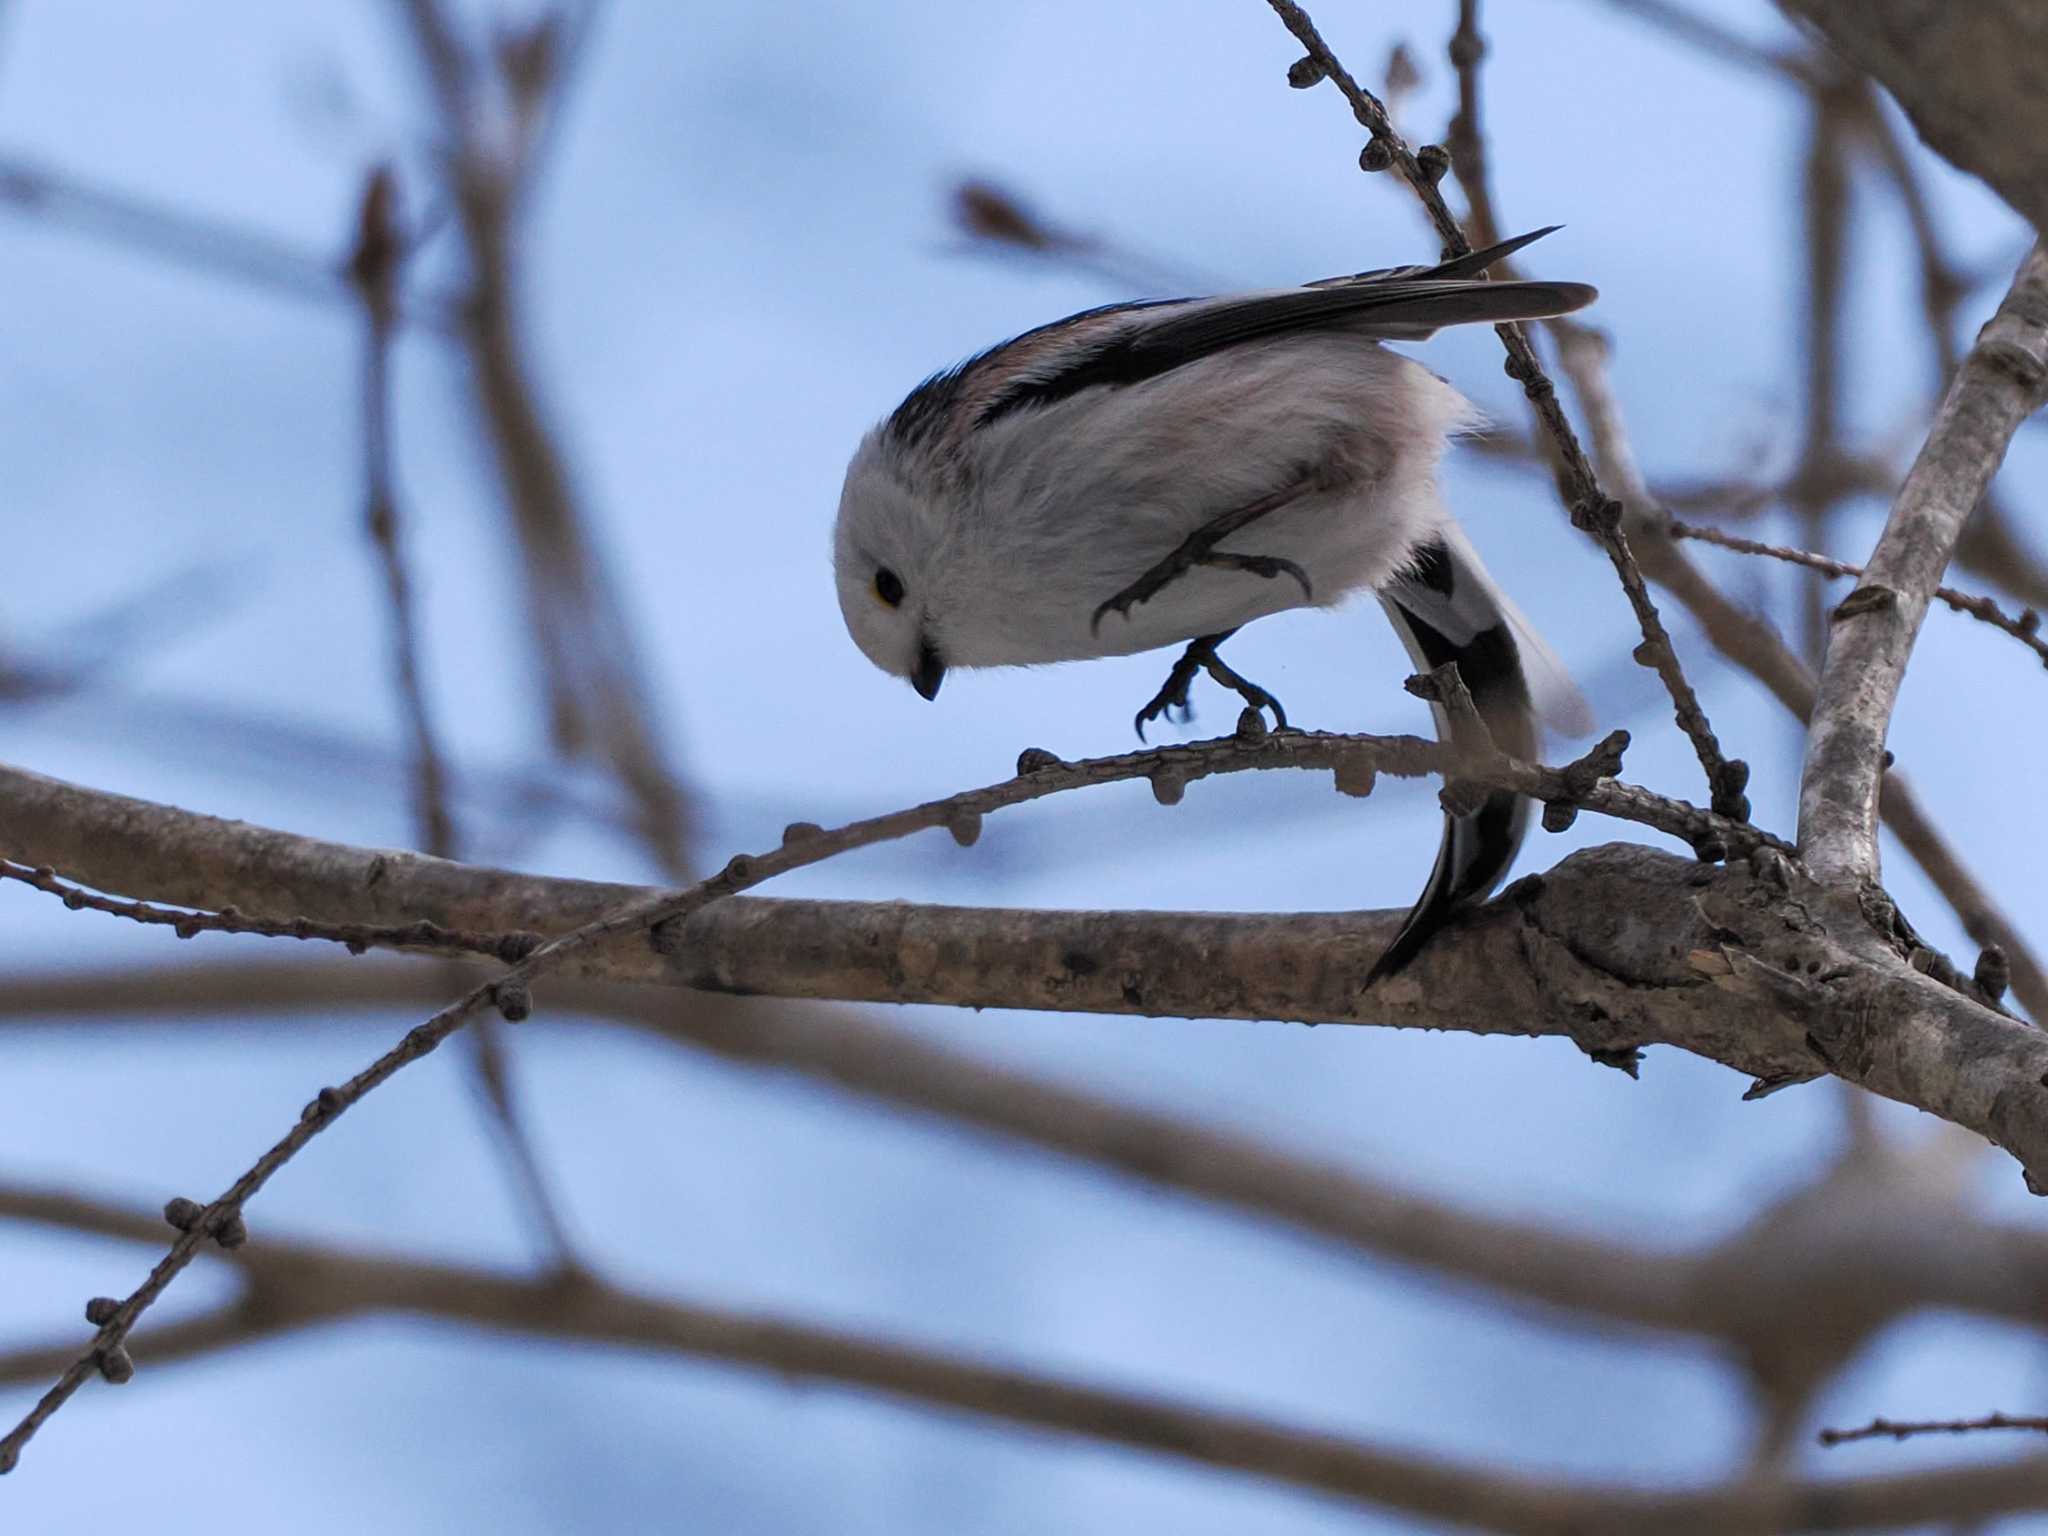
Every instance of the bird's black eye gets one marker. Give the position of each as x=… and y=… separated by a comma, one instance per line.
x=888, y=586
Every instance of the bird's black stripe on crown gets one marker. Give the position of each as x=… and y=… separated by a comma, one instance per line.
x=924, y=411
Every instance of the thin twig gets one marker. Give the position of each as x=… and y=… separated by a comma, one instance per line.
x=2026, y=628
x=1591, y=509
x=2002, y=381
x=1905, y=1429
x=510, y=945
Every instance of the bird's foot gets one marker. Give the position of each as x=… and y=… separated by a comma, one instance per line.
x=1199, y=550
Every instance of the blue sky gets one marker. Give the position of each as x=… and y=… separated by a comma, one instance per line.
x=738, y=259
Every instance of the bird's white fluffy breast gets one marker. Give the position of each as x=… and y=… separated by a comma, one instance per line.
x=1101, y=486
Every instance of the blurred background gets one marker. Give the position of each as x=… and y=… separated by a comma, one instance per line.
x=737, y=244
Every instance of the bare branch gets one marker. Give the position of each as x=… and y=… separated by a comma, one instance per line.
x=1668, y=948
x=2000, y=383
x=116, y=842
x=2026, y=628
x=1906, y=1429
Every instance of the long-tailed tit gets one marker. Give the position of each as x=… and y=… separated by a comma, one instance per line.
x=1065, y=496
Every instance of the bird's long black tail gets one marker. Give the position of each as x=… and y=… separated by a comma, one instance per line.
x=1447, y=610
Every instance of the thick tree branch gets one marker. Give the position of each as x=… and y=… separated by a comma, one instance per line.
x=1616, y=948
x=2002, y=381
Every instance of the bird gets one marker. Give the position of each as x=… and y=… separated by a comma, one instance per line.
x=1067, y=495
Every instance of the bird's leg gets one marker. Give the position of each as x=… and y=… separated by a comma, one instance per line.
x=1253, y=695
x=1201, y=656
x=1199, y=549
x=1173, y=693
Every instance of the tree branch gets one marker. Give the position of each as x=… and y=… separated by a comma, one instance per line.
x=1754, y=645
x=1616, y=948
x=2026, y=628
x=2002, y=381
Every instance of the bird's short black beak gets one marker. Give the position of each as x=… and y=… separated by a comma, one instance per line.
x=929, y=672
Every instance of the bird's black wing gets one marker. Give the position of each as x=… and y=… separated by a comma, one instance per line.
x=1127, y=344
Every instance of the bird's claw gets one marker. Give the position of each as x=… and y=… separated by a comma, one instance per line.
x=1173, y=693
x=1183, y=560
x=1268, y=566
x=1201, y=655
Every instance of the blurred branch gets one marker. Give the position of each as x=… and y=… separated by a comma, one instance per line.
x=2026, y=628
x=1583, y=1278
x=1817, y=484
x=1707, y=36
x=1942, y=287
x=992, y=218
x=205, y=245
x=294, y=1284
x=1971, y=77
x=596, y=698
x=1878, y=1240
x=1591, y=509
x=376, y=269
x=2003, y=380
x=1989, y=548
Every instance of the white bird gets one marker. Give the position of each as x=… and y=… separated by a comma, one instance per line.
x=1064, y=495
